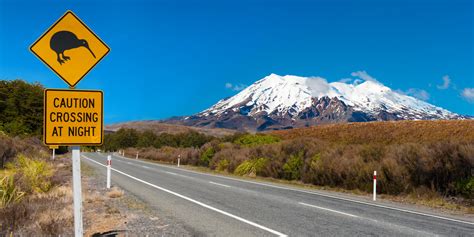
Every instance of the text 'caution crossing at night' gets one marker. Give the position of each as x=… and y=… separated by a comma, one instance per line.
x=73, y=117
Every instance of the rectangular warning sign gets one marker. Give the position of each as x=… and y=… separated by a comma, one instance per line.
x=73, y=117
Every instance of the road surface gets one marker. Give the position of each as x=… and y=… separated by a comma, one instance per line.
x=212, y=205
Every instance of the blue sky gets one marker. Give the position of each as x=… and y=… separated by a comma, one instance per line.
x=172, y=58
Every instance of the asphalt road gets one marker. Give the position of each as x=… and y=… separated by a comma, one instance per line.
x=212, y=205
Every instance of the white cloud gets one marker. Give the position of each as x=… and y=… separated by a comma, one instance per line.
x=468, y=94
x=364, y=76
x=446, y=82
x=318, y=86
x=238, y=87
x=345, y=80
x=417, y=93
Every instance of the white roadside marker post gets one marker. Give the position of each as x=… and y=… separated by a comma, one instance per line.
x=109, y=165
x=179, y=158
x=375, y=185
x=136, y=158
x=76, y=186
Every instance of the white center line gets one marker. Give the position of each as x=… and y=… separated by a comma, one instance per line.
x=223, y=185
x=195, y=201
x=327, y=209
x=146, y=167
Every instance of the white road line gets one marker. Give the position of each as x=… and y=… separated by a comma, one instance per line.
x=195, y=201
x=176, y=174
x=313, y=192
x=223, y=185
x=327, y=209
x=146, y=167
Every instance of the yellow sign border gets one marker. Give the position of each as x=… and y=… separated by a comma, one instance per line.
x=50, y=28
x=68, y=143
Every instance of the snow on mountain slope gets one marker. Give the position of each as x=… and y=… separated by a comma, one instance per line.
x=290, y=95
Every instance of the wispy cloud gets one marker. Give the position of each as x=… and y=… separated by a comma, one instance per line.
x=446, y=83
x=345, y=80
x=417, y=93
x=364, y=76
x=468, y=94
x=233, y=87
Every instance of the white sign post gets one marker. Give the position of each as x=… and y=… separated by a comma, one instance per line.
x=54, y=153
x=109, y=164
x=76, y=186
x=375, y=185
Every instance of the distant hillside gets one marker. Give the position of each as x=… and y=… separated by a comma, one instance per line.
x=159, y=127
x=391, y=132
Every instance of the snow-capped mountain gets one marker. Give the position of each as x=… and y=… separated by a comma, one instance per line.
x=277, y=102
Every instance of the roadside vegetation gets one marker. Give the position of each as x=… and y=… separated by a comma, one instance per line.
x=425, y=161
x=33, y=199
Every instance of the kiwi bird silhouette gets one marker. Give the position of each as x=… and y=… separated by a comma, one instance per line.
x=65, y=40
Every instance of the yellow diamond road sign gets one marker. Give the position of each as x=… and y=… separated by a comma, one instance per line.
x=70, y=48
x=73, y=117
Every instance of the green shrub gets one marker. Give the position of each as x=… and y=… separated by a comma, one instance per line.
x=222, y=165
x=250, y=140
x=466, y=187
x=9, y=193
x=34, y=174
x=207, y=156
x=252, y=167
x=293, y=166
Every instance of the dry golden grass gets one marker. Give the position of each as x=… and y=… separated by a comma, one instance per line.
x=115, y=193
x=393, y=132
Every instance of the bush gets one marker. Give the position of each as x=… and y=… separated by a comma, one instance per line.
x=252, y=167
x=250, y=140
x=33, y=175
x=206, y=156
x=222, y=165
x=466, y=187
x=292, y=168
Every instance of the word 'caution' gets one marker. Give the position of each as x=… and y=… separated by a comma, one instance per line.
x=73, y=117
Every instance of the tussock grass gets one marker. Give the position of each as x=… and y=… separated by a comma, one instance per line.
x=115, y=193
x=9, y=193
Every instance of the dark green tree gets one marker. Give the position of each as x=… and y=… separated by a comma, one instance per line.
x=21, y=107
